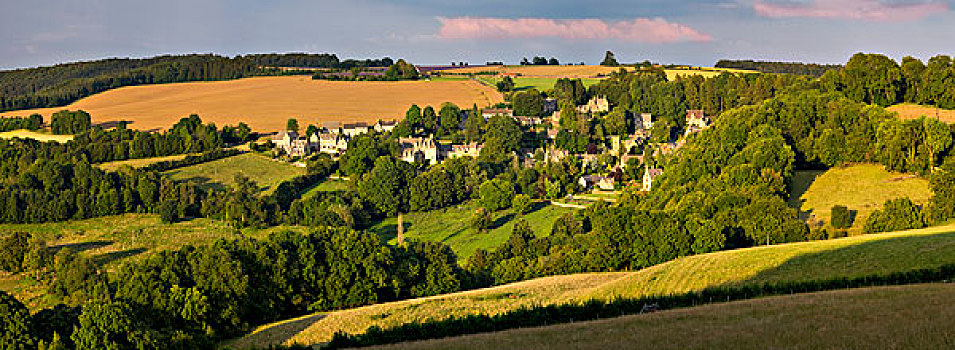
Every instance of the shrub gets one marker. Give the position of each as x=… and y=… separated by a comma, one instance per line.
x=838, y=234
x=841, y=217
x=818, y=234
x=521, y=204
x=896, y=214
x=481, y=219
x=169, y=212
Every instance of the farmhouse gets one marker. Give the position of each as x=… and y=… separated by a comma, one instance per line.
x=487, y=113
x=292, y=143
x=472, y=149
x=385, y=125
x=696, y=121
x=643, y=121
x=331, y=143
x=648, y=176
x=355, y=129
x=528, y=121
x=595, y=105
x=602, y=182
x=418, y=149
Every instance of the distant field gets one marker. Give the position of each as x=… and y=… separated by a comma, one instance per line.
x=265, y=103
x=113, y=240
x=522, y=83
x=895, y=317
x=39, y=136
x=451, y=226
x=219, y=174
x=548, y=71
x=863, y=188
x=806, y=261
x=912, y=111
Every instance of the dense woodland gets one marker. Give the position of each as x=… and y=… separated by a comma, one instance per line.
x=813, y=69
x=725, y=188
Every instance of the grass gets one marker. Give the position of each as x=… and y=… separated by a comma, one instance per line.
x=451, y=226
x=39, y=136
x=541, y=84
x=908, y=111
x=329, y=185
x=114, y=240
x=138, y=163
x=541, y=71
x=846, y=257
x=219, y=174
x=863, y=188
x=895, y=317
x=265, y=103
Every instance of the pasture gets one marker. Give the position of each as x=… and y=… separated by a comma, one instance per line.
x=113, y=240
x=908, y=111
x=39, y=136
x=805, y=261
x=329, y=185
x=140, y=162
x=862, y=188
x=909, y=317
x=265, y=103
x=451, y=226
x=219, y=174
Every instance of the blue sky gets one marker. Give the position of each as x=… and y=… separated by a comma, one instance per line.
x=698, y=32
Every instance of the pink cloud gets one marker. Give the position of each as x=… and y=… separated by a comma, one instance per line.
x=645, y=30
x=872, y=10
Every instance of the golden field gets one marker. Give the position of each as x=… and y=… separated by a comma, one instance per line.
x=795, y=262
x=265, y=103
x=39, y=136
x=908, y=111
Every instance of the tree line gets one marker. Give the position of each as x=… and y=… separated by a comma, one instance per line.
x=813, y=69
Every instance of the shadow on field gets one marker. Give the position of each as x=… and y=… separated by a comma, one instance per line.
x=276, y=334
x=107, y=258
x=801, y=182
x=83, y=246
x=880, y=257
x=501, y=221
x=389, y=232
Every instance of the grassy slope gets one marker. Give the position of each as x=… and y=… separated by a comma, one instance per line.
x=330, y=185
x=39, y=136
x=114, y=240
x=863, y=188
x=452, y=227
x=912, y=317
x=138, y=163
x=853, y=256
x=218, y=174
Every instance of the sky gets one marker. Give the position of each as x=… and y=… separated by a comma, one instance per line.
x=696, y=32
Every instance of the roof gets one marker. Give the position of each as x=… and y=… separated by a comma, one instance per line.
x=354, y=125
x=654, y=172
x=695, y=113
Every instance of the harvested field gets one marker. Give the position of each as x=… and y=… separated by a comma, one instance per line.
x=585, y=71
x=895, y=317
x=39, y=136
x=265, y=103
x=908, y=111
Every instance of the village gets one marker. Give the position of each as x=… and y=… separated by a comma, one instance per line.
x=333, y=139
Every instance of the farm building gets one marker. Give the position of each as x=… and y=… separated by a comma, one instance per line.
x=487, y=113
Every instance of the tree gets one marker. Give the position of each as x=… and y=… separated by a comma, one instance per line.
x=840, y=217
x=521, y=204
x=481, y=219
x=505, y=130
x=474, y=126
x=15, y=330
x=169, y=211
x=13, y=249
x=496, y=194
x=449, y=117
x=616, y=122
x=107, y=326
x=386, y=186
x=291, y=124
x=528, y=103
x=896, y=214
x=506, y=84
x=609, y=60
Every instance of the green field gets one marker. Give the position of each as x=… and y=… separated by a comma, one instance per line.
x=846, y=257
x=329, y=185
x=451, y=226
x=138, y=163
x=113, y=240
x=39, y=136
x=862, y=187
x=896, y=317
x=524, y=83
x=219, y=174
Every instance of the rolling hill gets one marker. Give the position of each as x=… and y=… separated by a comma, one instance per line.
x=805, y=261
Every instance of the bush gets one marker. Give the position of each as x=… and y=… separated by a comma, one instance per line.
x=818, y=234
x=481, y=219
x=840, y=217
x=838, y=234
x=169, y=212
x=896, y=214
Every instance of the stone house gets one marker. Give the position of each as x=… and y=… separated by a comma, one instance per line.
x=418, y=149
x=355, y=129
x=472, y=149
x=385, y=125
x=292, y=143
x=696, y=121
x=487, y=113
x=595, y=105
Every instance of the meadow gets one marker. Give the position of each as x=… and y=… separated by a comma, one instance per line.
x=908, y=111
x=265, y=103
x=805, y=261
x=114, y=240
x=451, y=226
x=39, y=136
x=862, y=188
x=219, y=174
x=911, y=317
x=139, y=162
x=329, y=185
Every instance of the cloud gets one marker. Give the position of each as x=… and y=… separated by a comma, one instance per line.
x=644, y=30
x=870, y=10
